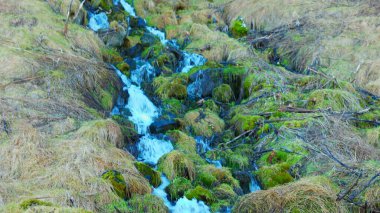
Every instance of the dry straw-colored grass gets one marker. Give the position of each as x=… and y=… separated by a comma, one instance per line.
x=313, y=194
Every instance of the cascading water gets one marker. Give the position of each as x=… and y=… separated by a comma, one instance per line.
x=143, y=112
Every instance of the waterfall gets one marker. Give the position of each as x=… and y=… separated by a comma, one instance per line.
x=98, y=21
x=191, y=60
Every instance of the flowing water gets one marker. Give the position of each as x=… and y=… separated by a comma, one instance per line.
x=143, y=112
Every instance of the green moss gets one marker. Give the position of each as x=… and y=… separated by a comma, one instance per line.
x=57, y=74
x=178, y=187
x=209, y=176
x=106, y=100
x=171, y=87
x=204, y=122
x=154, y=177
x=124, y=68
x=257, y=82
x=207, y=179
x=243, y=123
x=173, y=106
x=34, y=202
x=121, y=205
x=224, y=192
x=111, y=55
x=147, y=203
x=236, y=161
x=223, y=93
x=200, y=193
x=127, y=128
x=117, y=181
x=183, y=142
x=208, y=65
x=238, y=28
x=270, y=176
x=153, y=51
x=335, y=99
x=211, y=105
x=177, y=164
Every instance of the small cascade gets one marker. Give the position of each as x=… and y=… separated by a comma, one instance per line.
x=203, y=145
x=160, y=191
x=194, y=90
x=191, y=60
x=151, y=149
x=98, y=21
x=159, y=34
x=144, y=72
x=253, y=184
x=185, y=205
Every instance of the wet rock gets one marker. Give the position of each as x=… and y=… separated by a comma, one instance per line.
x=149, y=39
x=137, y=22
x=134, y=51
x=203, y=83
x=244, y=180
x=114, y=37
x=162, y=126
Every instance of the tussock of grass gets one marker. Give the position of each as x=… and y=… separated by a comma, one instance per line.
x=314, y=194
x=176, y=164
x=204, y=123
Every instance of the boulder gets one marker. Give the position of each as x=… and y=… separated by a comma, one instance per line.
x=161, y=126
x=148, y=39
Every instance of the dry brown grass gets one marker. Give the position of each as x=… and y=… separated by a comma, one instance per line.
x=313, y=194
x=50, y=85
x=341, y=37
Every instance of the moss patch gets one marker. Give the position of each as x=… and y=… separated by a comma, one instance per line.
x=177, y=164
x=204, y=122
x=178, y=187
x=154, y=177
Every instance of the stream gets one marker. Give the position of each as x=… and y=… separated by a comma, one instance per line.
x=143, y=112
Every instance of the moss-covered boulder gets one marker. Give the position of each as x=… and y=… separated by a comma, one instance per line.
x=127, y=128
x=102, y=4
x=209, y=176
x=171, y=87
x=244, y=123
x=153, y=176
x=177, y=164
x=238, y=28
x=147, y=203
x=203, y=122
x=117, y=181
x=124, y=68
x=313, y=194
x=224, y=192
x=335, y=99
x=223, y=93
x=178, y=187
x=183, y=142
x=200, y=193
x=270, y=176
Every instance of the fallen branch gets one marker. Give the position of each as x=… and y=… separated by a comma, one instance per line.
x=66, y=28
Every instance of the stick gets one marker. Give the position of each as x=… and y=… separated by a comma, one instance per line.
x=67, y=19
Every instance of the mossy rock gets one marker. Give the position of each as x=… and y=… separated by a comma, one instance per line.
x=103, y=4
x=212, y=106
x=244, y=123
x=238, y=28
x=171, y=87
x=111, y=55
x=124, y=68
x=183, y=142
x=209, y=176
x=154, y=177
x=34, y=202
x=173, y=106
x=204, y=122
x=147, y=203
x=127, y=128
x=178, y=187
x=106, y=100
x=270, y=176
x=177, y=164
x=201, y=193
x=335, y=99
x=224, y=192
x=117, y=181
x=223, y=93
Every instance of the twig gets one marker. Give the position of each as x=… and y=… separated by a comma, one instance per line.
x=66, y=28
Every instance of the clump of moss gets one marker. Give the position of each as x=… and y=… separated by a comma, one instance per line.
x=209, y=176
x=34, y=202
x=238, y=28
x=106, y=100
x=270, y=176
x=173, y=106
x=200, y=193
x=117, y=181
x=178, y=187
x=211, y=105
x=183, y=142
x=111, y=55
x=177, y=164
x=313, y=194
x=127, y=128
x=224, y=192
x=335, y=99
x=244, y=123
x=147, y=203
x=171, y=87
x=124, y=68
x=223, y=93
x=204, y=122
x=154, y=177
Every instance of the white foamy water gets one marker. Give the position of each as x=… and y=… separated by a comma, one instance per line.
x=127, y=7
x=185, y=205
x=144, y=72
x=191, y=60
x=98, y=21
x=152, y=149
x=158, y=33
